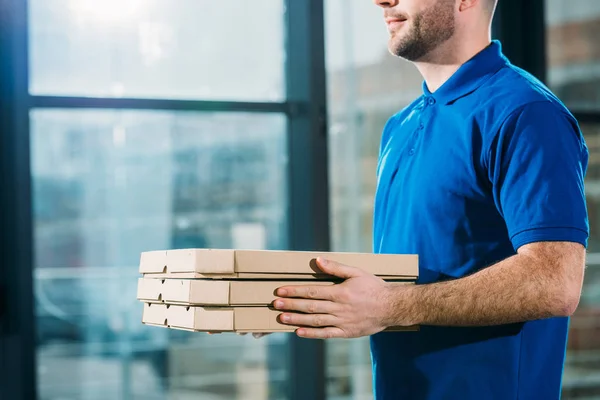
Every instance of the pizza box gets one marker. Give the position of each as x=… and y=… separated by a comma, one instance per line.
x=268, y=264
x=221, y=319
x=215, y=292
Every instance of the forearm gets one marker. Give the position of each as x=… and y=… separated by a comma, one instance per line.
x=517, y=289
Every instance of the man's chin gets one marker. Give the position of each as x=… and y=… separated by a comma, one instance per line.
x=395, y=48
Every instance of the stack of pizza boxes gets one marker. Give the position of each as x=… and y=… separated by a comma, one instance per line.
x=220, y=290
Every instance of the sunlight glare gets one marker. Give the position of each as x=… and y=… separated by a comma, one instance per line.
x=105, y=11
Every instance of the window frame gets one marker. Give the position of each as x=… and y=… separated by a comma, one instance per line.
x=308, y=211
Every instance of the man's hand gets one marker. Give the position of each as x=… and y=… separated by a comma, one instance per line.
x=357, y=307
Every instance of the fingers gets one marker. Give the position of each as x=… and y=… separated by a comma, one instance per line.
x=306, y=306
x=340, y=270
x=256, y=335
x=316, y=320
x=323, y=333
x=309, y=292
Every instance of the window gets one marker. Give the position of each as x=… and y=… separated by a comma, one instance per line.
x=574, y=53
x=109, y=183
x=139, y=181
x=573, y=58
x=366, y=86
x=183, y=49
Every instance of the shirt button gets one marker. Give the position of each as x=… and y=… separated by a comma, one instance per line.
x=411, y=152
x=431, y=101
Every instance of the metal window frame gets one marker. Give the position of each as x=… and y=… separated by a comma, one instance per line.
x=308, y=173
x=159, y=104
x=308, y=206
x=587, y=117
x=521, y=27
x=17, y=330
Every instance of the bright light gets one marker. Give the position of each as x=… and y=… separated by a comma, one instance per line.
x=119, y=136
x=104, y=11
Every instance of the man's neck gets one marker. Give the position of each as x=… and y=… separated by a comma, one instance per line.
x=439, y=65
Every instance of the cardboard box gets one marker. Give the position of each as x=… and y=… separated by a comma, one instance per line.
x=225, y=319
x=229, y=319
x=268, y=264
x=216, y=293
x=213, y=293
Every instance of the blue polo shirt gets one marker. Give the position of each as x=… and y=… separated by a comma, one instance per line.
x=489, y=162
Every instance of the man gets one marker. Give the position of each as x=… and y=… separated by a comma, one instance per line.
x=482, y=177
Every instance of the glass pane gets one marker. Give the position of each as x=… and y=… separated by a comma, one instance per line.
x=574, y=74
x=573, y=29
x=110, y=184
x=158, y=48
x=367, y=85
x=582, y=370
x=592, y=183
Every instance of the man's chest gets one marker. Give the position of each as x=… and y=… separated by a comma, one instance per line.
x=432, y=168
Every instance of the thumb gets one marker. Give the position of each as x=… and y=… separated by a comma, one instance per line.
x=336, y=269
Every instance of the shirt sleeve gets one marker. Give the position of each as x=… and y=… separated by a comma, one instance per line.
x=537, y=165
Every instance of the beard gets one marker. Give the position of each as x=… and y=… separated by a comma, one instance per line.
x=429, y=29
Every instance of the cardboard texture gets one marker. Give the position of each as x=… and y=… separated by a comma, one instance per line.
x=214, y=319
x=221, y=263
x=213, y=293
x=228, y=319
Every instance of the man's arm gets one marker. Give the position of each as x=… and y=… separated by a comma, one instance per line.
x=543, y=280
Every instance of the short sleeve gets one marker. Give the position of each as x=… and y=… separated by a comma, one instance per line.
x=537, y=164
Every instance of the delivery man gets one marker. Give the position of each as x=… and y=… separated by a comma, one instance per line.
x=483, y=177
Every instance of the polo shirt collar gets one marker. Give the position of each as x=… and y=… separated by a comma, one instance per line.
x=470, y=75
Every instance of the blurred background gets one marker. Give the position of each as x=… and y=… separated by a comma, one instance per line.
x=132, y=125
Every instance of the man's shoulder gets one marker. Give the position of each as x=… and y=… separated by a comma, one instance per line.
x=511, y=91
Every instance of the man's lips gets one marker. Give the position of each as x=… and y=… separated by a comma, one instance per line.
x=392, y=22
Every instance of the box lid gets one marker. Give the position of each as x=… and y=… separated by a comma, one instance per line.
x=234, y=263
